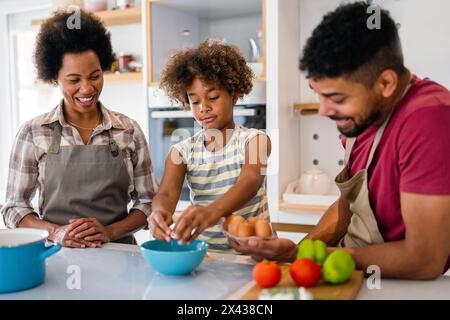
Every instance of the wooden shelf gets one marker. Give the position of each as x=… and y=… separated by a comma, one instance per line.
x=156, y=83
x=300, y=208
x=307, y=108
x=112, y=17
x=123, y=77
x=290, y=227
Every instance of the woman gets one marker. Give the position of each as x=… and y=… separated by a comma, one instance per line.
x=88, y=162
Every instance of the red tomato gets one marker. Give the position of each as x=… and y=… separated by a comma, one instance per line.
x=267, y=274
x=305, y=272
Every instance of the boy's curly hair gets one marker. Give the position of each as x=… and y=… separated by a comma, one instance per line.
x=212, y=62
x=55, y=39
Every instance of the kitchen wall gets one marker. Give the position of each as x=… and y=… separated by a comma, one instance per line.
x=8, y=127
x=283, y=83
x=425, y=35
x=163, y=40
x=320, y=146
x=236, y=29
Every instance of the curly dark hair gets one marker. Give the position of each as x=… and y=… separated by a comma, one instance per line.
x=55, y=39
x=214, y=63
x=343, y=45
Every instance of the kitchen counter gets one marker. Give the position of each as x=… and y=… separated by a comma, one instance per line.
x=118, y=271
x=391, y=289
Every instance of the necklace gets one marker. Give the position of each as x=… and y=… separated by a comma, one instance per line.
x=80, y=127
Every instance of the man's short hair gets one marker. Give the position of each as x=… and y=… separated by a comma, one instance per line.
x=344, y=45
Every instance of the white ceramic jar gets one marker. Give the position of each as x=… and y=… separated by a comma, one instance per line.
x=63, y=5
x=95, y=5
x=313, y=181
x=124, y=4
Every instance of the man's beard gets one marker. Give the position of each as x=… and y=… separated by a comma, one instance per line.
x=359, y=128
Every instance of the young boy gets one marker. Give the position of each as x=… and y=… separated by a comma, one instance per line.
x=224, y=163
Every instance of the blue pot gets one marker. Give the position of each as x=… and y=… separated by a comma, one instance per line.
x=170, y=258
x=22, y=258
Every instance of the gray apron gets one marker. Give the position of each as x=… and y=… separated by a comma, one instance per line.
x=363, y=228
x=85, y=181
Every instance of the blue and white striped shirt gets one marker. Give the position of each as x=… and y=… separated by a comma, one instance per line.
x=211, y=174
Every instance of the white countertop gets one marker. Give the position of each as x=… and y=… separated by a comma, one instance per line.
x=119, y=271
x=391, y=289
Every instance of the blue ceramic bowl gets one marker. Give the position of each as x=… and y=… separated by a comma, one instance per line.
x=171, y=259
x=22, y=258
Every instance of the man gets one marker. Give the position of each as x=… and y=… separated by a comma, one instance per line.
x=394, y=208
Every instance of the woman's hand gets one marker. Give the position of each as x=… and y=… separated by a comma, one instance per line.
x=281, y=250
x=61, y=235
x=89, y=229
x=192, y=222
x=158, y=223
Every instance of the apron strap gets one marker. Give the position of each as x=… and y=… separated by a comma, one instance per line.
x=377, y=139
x=112, y=144
x=56, y=139
x=348, y=149
x=381, y=129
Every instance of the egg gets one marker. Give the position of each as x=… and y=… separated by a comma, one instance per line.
x=234, y=223
x=226, y=223
x=252, y=220
x=245, y=229
x=262, y=228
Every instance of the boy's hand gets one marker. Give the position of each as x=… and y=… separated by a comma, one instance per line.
x=193, y=221
x=158, y=223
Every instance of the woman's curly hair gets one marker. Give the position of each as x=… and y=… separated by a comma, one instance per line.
x=212, y=62
x=55, y=39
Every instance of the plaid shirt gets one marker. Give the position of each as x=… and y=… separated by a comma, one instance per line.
x=29, y=155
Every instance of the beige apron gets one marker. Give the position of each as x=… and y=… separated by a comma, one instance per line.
x=363, y=228
x=84, y=181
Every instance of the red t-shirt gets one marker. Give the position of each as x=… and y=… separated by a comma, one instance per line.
x=413, y=155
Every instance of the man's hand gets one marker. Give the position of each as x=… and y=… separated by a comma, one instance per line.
x=282, y=250
x=158, y=223
x=89, y=229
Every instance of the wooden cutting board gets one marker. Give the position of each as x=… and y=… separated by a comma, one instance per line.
x=344, y=291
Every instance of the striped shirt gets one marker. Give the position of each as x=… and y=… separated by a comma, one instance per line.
x=210, y=175
x=29, y=156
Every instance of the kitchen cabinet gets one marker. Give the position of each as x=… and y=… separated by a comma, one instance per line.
x=301, y=139
x=176, y=24
x=111, y=17
x=116, y=18
x=306, y=108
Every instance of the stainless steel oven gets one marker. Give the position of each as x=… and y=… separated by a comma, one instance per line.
x=166, y=119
